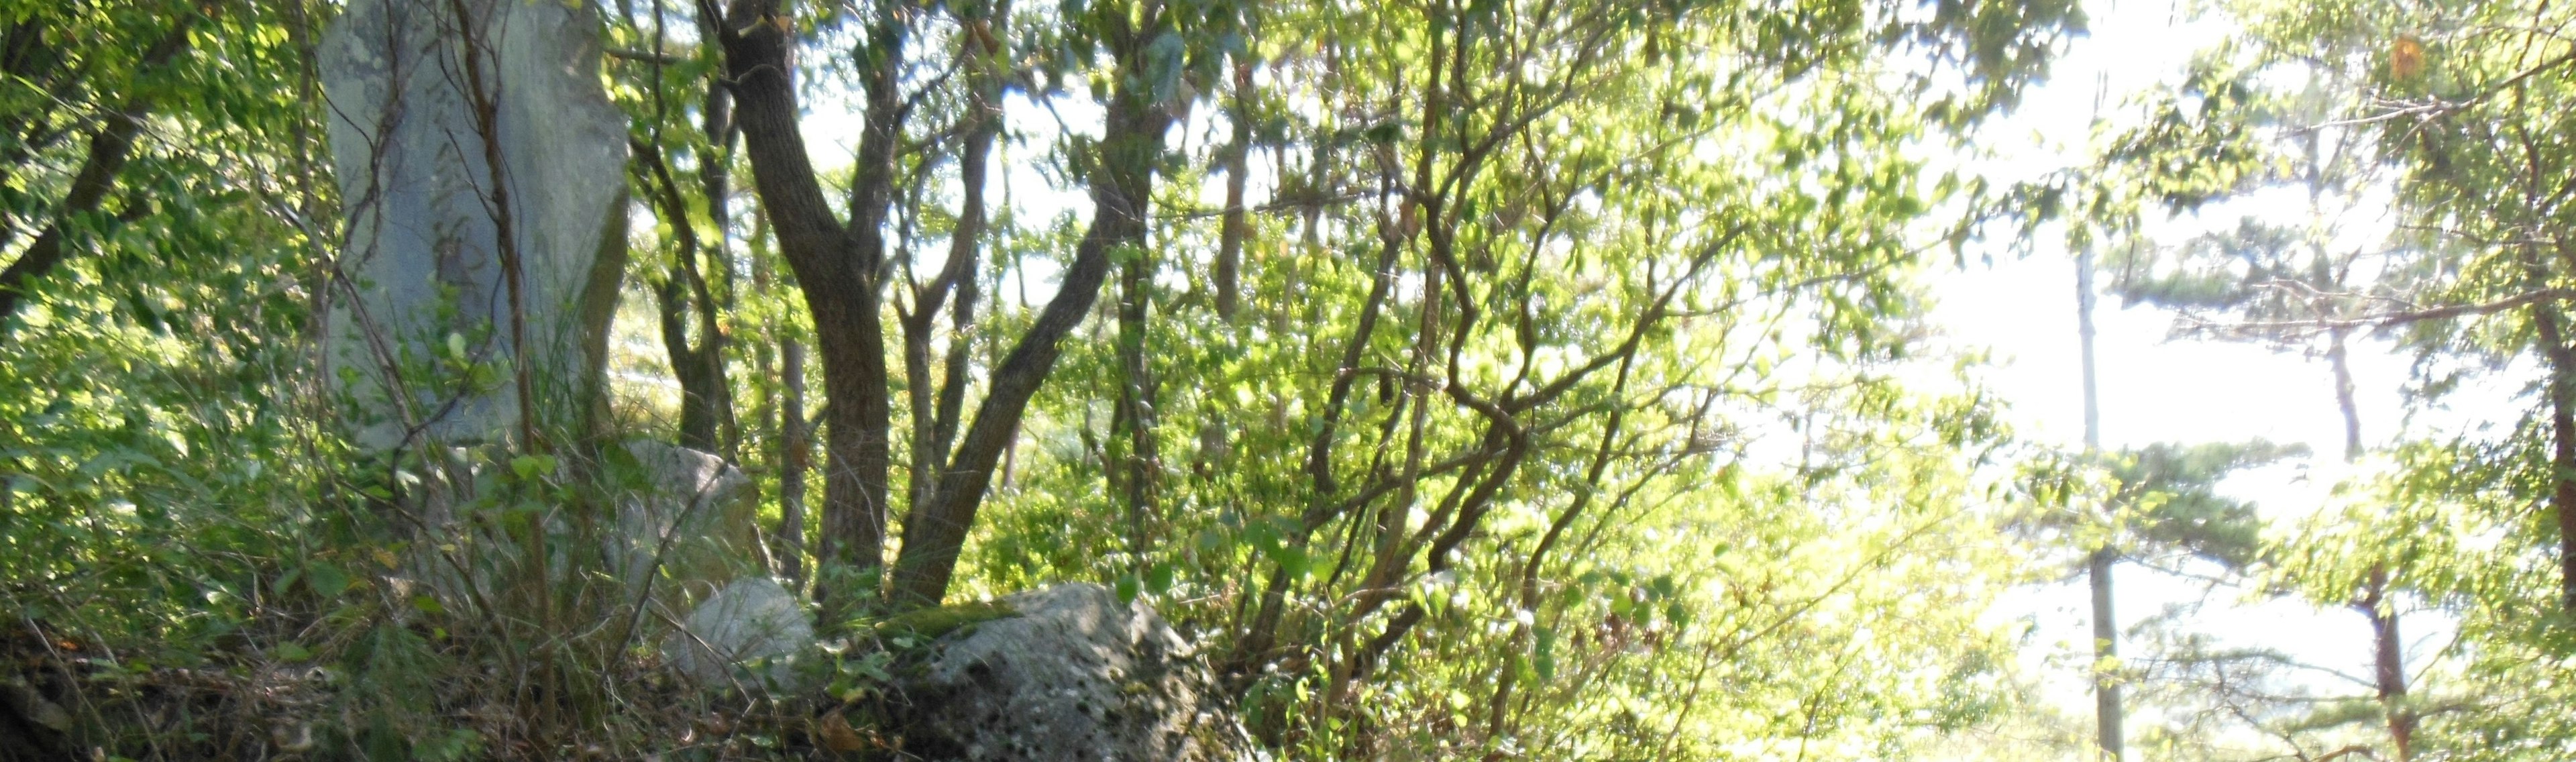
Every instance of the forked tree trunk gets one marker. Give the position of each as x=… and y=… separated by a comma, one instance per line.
x=1121, y=191
x=837, y=266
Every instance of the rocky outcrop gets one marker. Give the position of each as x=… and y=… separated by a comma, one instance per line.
x=1067, y=673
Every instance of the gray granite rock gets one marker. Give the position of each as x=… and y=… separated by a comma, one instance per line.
x=427, y=205
x=750, y=634
x=1071, y=674
x=692, y=522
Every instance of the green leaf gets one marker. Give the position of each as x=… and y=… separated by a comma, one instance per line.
x=532, y=467
x=325, y=579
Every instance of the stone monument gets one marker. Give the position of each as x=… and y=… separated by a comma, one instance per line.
x=483, y=171
x=453, y=121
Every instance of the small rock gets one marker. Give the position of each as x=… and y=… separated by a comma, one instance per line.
x=754, y=623
x=692, y=523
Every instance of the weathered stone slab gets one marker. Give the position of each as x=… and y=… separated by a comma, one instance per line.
x=427, y=205
x=1072, y=675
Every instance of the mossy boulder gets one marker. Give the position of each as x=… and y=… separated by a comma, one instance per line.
x=1062, y=673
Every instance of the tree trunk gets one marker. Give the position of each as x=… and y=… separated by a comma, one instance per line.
x=2388, y=649
x=716, y=283
x=2106, y=651
x=1134, y=414
x=1229, y=251
x=1121, y=190
x=837, y=267
x=934, y=408
x=2560, y=360
x=795, y=447
x=683, y=296
x=2562, y=455
x=2106, y=631
x=2388, y=663
x=109, y=149
x=2340, y=360
x=700, y=370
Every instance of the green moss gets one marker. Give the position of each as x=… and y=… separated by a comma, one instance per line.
x=931, y=623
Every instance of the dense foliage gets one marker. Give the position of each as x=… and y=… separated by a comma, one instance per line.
x=1505, y=379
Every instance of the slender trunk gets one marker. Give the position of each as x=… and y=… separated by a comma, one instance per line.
x=953, y=374
x=926, y=458
x=2106, y=630
x=2388, y=663
x=795, y=450
x=1134, y=415
x=716, y=284
x=2106, y=650
x=2562, y=456
x=688, y=365
x=2340, y=359
x=683, y=297
x=1121, y=189
x=2560, y=360
x=934, y=409
x=2388, y=649
x=1229, y=252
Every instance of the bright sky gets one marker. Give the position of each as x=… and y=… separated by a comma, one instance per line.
x=2153, y=390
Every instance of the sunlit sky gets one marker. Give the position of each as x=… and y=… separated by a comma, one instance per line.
x=2152, y=390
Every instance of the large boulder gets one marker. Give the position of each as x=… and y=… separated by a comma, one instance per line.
x=1067, y=673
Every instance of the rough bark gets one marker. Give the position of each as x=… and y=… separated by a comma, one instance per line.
x=837, y=267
